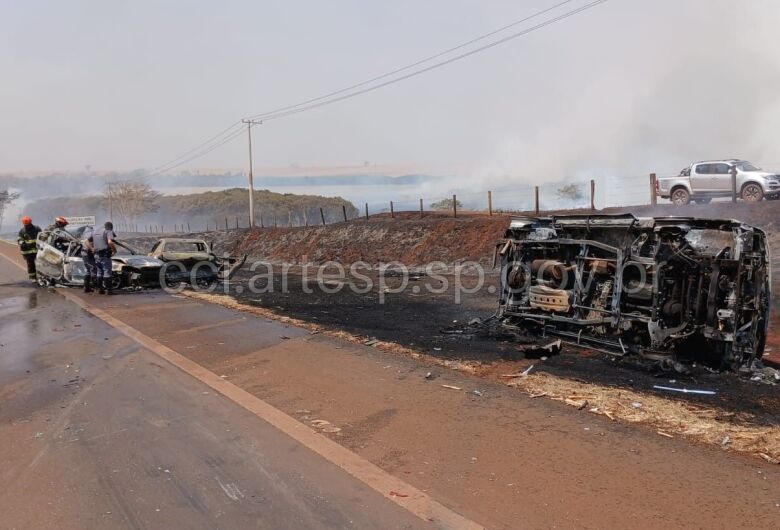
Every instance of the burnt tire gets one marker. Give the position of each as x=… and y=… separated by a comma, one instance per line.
x=680, y=197
x=752, y=192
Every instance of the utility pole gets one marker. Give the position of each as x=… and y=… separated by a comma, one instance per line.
x=249, y=124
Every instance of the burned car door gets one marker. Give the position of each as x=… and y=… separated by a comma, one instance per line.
x=50, y=260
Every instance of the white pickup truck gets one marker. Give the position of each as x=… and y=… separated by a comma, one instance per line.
x=702, y=181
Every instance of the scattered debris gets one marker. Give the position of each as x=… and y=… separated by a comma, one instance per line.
x=541, y=350
x=685, y=390
x=371, y=342
x=320, y=423
x=429, y=375
x=477, y=393
x=451, y=387
x=331, y=429
x=528, y=370
x=636, y=405
x=662, y=433
x=769, y=459
x=398, y=494
x=579, y=404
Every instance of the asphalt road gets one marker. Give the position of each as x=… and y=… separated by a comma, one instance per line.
x=187, y=414
x=100, y=433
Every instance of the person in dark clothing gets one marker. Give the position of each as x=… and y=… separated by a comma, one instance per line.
x=26, y=240
x=102, y=243
x=88, y=255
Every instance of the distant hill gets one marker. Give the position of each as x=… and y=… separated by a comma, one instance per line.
x=211, y=207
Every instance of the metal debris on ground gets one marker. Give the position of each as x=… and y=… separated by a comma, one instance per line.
x=451, y=387
x=528, y=370
x=477, y=393
x=685, y=390
x=541, y=350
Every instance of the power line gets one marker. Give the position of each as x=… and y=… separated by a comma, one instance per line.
x=235, y=130
x=229, y=138
x=159, y=169
x=437, y=65
x=418, y=63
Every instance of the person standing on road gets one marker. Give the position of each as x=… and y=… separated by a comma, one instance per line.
x=27, y=237
x=102, y=242
x=88, y=255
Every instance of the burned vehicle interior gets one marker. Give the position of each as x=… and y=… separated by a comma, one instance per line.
x=668, y=289
x=194, y=259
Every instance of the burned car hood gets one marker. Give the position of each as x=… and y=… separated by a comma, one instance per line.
x=187, y=256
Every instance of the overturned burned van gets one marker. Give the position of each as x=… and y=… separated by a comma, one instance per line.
x=670, y=289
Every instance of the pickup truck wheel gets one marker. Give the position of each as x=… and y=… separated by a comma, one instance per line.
x=681, y=197
x=752, y=192
x=703, y=200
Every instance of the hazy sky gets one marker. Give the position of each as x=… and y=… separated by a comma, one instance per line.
x=629, y=86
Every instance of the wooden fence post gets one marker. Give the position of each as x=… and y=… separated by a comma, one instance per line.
x=392, y=212
x=305, y=218
x=454, y=206
x=653, y=196
x=734, y=184
x=226, y=224
x=322, y=216
x=366, y=211
x=536, y=199
x=593, y=194
x=421, y=208
x=490, y=203
x=344, y=210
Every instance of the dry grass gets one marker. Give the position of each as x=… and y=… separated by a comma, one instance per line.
x=671, y=418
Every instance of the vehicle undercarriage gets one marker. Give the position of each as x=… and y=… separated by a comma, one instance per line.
x=669, y=289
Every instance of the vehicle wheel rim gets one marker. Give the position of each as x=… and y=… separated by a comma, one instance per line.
x=678, y=198
x=751, y=194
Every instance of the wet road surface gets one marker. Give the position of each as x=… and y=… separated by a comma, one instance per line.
x=99, y=433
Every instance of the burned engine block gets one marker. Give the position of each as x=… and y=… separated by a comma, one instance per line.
x=670, y=289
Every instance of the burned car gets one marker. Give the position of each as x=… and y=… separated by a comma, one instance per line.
x=59, y=261
x=669, y=289
x=194, y=261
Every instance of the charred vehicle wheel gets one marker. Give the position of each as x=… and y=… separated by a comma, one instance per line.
x=681, y=197
x=752, y=192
